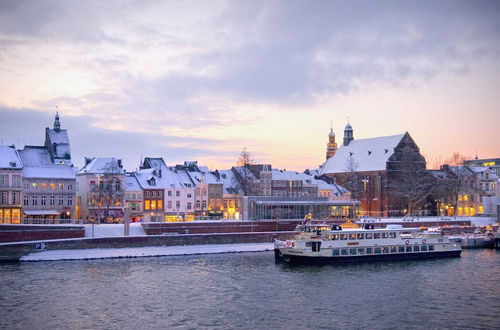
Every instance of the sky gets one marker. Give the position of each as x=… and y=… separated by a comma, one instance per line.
x=201, y=80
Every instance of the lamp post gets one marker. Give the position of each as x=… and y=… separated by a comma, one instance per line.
x=365, y=183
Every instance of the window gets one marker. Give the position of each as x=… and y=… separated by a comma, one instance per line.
x=204, y=204
x=43, y=186
x=408, y=248
x=177, y=193
x=335, y=237
x=16, y=180
x=392, y=235
x=368, y=235
x=4, y=198
x=197, y=204
x=369, y=250
x=160, y=193
x=335, y=252
x=43, y=200
x=378, y=250
x=70, y=200
x=61, y=186
x=189, y=195
x=393, y=249
x=416, y=248
x=177, y=204
x=343, y=236
x=431, y=247
x=61, y=200
x=15, y=197
x=169, y=193
x=352, y=237
x=52, y=200
x=153, y=194
x=26, y=200
x=153, y=205
x=34, y=185
x=147, y=205
x=353, y=252
x=52, y=186
x=343, y=252
x=360, y=235
x=376, y=235
x=4, y=180
x=424, y=248
x=385, y=235
x=117, y=185
x=34, y=200
x=189, y=206
x=169, y=204
x=385, y=249
x=160, y=205
x=401, y=249
x=146, y=194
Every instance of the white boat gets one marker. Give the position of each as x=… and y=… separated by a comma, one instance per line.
x=321, y=243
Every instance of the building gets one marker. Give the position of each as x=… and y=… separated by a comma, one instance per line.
x=231, y=195
x=331, y=146
x=49, y=181
x=10, y=185
x=133, y=198
x=101, y=190
x=373, y=170
x=493, y=163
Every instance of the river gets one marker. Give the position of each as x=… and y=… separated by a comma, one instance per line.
x=249, y=291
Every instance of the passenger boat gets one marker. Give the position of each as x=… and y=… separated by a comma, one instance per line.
x=322, y=243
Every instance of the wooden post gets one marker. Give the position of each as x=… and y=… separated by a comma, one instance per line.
x=126, y=223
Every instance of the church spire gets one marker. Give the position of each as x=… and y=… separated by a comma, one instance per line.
x=331, y=146
x=348, y=133
x=57, y=124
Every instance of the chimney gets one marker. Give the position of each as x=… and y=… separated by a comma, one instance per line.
x=120, y=165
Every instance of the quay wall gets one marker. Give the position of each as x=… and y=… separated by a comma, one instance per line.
x=14, y=251
x=19, y=233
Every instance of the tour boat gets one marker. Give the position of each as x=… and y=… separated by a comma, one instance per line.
x=322, y=243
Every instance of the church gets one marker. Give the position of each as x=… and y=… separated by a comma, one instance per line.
x=370, y=169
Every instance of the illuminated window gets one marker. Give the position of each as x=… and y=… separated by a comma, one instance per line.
x=466, y=198
x=160, y=205
x=34, y=185
x=153, y=205
x=43, y=186
x=481, y=209
x=61, y=186
x=52, y=186
x=147, y=205
x=459, y=197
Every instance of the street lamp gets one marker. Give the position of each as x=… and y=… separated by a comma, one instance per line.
x=365, y=183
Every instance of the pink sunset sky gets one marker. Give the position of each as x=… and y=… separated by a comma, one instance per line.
x=199, y=80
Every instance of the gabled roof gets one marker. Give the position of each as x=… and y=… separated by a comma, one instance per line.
x=230, y=183
x=101, y=165
x=367, y=155
x=131, y=183
x=35, y=156
x=9, y=158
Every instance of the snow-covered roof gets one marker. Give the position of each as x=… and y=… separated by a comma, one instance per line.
x=203, y=177
x=99, y=165
x=54, y=171
x=367, y=155
x=59, y=141
x=35, y=156
x=131, y=183
x=291, y=176
x=245, y=172
x=9, y=158
x=229, y=182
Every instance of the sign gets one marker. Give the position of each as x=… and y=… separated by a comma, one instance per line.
x=40, y=246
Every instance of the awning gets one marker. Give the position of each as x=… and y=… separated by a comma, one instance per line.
x=41, y=212
x=114, y=213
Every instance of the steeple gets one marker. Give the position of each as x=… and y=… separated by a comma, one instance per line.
x=331, y=146
x=57, y=124
x=348, y=133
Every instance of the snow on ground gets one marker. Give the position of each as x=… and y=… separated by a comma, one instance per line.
x=113, y=230
x=152, y=251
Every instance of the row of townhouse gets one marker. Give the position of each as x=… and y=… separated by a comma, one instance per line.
x=38, y=181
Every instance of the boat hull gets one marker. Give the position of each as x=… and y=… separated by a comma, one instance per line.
x=301, y=259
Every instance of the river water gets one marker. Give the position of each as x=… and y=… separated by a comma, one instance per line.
x=249, y=291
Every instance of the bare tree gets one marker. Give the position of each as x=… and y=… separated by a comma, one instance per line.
x=412, y=181
x=243, y=174
x=245, y=158
x=352, y=180
x=109, y=190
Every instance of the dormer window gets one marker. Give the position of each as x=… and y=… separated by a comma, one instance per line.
x=369, y=152
x=152, y=182
x=386, y=150
x=13, y=164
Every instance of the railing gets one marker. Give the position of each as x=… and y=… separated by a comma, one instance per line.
x=40, y=221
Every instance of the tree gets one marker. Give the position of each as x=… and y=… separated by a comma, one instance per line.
x=109, y=189
x=412, y=181
x=243, y=174
x=352, y=181
x=245, y=158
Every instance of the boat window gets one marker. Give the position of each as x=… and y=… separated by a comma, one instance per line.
x=361, y=236
x=416, y=248
x=408, y=249
x=353, y=251
x=424, y=247
x=335, y=237
x=393, y=249
x=361, y=251
x=385, y=235
x=308, y=230
x=392, y=235
x=401, y=249
x=308, y=244
x=378, y=250
x=352, y=237
x=343, y=236
x=369, y=250
x=335, y=252
x=431, y=247
x=376, y=235
x=368, y=235
x=385, y=249
x=343, y=252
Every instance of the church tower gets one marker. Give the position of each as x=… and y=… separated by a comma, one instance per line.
x=57, y=124
x=348, y=134
x=331, y=146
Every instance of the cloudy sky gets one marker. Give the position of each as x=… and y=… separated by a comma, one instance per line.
x=199, y=80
